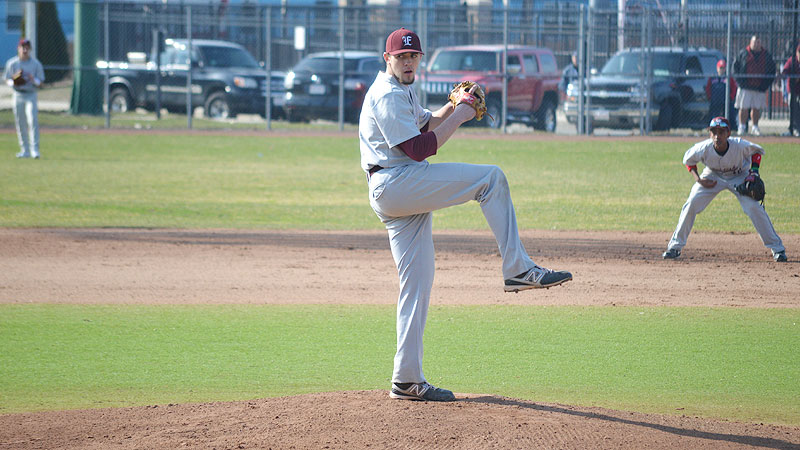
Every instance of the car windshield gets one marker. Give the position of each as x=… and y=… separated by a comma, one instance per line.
x=325, y=65
x=457, y=60
x=629, y=63
x=227, y=57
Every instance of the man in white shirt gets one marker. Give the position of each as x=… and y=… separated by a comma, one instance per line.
x=25, y=75
x=396, y=135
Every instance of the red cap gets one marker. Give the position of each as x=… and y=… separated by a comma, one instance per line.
x=721, y=63
x=24, y=41
x=719, y=122
x=403, y=41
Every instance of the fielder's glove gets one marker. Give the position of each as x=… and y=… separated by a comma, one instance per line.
x=752, y=186
x=477, y=100
x=19, y=79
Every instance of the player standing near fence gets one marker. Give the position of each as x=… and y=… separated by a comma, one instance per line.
x=730, y=163
x=25, y=75
x=396, y=136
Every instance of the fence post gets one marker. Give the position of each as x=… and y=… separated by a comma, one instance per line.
x=341, y=68
x=189, y=109
x=106, y=94
x=587, y=107
x=504, y=65
x=772, y=52
x=643, y=90
x=268, y=67
x=648, y=64
x=581, y=70
x=728, y=66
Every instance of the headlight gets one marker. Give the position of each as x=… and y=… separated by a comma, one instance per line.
x=288, y=82
x=354, y=85
x=245, y=83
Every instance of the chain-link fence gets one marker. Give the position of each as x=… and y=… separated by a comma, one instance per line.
x=645, y=68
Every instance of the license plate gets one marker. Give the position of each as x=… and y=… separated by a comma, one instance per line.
x=600, y=114
x=316, y=89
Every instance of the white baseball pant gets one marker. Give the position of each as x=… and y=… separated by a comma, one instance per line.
x=700, y=197
x=26, y=116
x=404, y=198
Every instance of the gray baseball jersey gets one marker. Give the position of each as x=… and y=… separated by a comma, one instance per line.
x=391, y=115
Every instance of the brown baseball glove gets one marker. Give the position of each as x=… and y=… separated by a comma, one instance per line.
x=19, y=80
x=477, y=100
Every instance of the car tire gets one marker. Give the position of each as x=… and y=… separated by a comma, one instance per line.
x=120, y=101
x=665, y=114
x=546, y=117
x=494, y=109
x=218, y=107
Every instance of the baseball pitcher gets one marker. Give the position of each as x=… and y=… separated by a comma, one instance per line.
x=396, y=136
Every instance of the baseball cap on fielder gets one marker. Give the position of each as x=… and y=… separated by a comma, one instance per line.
x=403, y=41
x=719, y=122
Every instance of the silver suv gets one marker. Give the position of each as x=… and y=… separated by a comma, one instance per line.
x=677, y=93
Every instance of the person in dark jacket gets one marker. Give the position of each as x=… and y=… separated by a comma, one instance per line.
x=569, y=74
x=791, y=70
x=715, y=93
x=754, y=70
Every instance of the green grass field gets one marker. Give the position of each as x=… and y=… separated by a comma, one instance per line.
x=148, y=180
x=733, y=363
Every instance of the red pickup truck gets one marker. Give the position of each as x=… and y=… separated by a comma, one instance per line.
x=533, y=78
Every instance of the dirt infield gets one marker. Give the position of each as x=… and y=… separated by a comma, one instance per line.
x=139, y=266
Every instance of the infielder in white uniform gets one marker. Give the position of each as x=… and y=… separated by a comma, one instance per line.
x=26, y=108
x=396, y=136
x=728, y=162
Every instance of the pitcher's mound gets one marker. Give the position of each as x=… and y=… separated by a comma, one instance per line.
x=370, y=419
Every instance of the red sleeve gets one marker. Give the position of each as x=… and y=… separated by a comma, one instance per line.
x=689, y=168
x=734, y=87
x=421, y=146
x=708, y=89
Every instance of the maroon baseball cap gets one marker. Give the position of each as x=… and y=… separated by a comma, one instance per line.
x=719, y=122
x=403, y=41
x=24, y=41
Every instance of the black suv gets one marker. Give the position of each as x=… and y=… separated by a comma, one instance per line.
x=677, y=95
x=312, y=86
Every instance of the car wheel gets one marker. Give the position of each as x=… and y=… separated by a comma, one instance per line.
x=546, y=119
x=217, y=106
x=665, y=115
x=293, y=116
x=120, y=101
x=494, y=109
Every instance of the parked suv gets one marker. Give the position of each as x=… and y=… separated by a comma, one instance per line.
x=226, y=79
x=533, y=78
x=312, y=86
x=677, y=95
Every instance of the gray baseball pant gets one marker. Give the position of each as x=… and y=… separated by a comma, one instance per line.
x=404, y=198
